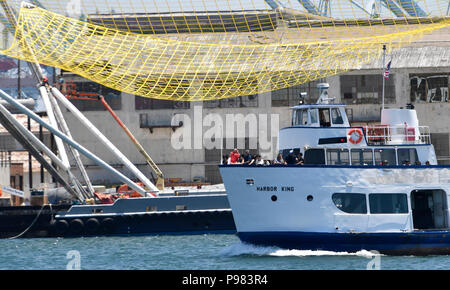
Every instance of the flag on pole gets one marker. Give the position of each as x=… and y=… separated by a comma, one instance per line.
x=387, y=71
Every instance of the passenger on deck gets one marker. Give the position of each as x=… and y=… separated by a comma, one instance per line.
x=247, y=157
x=291, y=159
x=427, y=163
x=259, y=160
x=279, y=159
x=234, y=156
x=300, y=160
x=417, y=163
x=225, y=159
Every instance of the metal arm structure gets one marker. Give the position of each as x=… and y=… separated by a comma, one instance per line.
x=75, y=154
x=39, y=76
x=412, y=8
x=71, y=142
x=85, y=121
x=96, y=97
x=6, y=119
x=52, y=119
x=5, y=23
x=10, y=14
x=391, y=5
x=273, y=4
x=51, y=105
x=309, y=6
x=43, y=89
x=148, y=159
x=32, y=138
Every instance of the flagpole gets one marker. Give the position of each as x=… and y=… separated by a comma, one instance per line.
x=383, y=75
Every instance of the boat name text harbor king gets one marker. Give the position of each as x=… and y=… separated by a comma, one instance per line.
x=274, y=188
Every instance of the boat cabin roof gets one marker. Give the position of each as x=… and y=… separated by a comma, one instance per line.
x=315, y=106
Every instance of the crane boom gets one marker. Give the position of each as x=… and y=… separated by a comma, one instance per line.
x=148, y=159
x=71, y=142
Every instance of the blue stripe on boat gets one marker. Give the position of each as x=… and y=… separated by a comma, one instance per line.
x=407, y=243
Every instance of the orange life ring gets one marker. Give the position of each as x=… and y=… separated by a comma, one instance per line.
x=355, y=135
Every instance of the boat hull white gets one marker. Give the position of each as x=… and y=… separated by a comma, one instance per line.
x=292, y=207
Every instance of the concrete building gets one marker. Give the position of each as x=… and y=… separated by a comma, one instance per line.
x=182, y=137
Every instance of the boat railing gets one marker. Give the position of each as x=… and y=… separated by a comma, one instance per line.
x=401, y=134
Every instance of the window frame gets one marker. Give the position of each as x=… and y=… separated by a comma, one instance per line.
x=340, y=151
x=351, y=193
x=375, y=150
x=325, y=122
x=305, y=156
x=361, y=89
x=362, y=151
x=388, y=194
x=339, y=115
x=416, y=156
x=314, y=112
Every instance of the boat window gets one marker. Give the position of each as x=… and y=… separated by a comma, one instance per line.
x=324, y=115
x=407, y=155
x=294, y=118
x=304, y=117
x=314, y=156
x=385, y=157
x=313, y=114
x=388, y=203
x=337, y=157
x=362, y=157
x=350, y=202
x=301, y=117
x=336, y=116
x=298, y=117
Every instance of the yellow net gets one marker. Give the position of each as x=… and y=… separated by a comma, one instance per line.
x=193, y=50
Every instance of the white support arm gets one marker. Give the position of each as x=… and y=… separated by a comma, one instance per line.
x=66, y=103
x=71, y=142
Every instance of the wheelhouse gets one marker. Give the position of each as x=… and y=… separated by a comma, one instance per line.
x=324, y=135
x=320, y=116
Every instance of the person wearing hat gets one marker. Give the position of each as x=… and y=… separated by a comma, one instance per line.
x=291, y=159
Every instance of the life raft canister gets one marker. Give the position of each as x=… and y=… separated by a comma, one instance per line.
x=355, y=135
x=126, y=192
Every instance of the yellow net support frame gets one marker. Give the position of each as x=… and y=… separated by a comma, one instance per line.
x=194, y=50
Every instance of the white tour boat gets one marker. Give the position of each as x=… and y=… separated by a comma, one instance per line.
x=373, y=188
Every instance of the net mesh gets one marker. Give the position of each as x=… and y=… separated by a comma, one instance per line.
x=194, y=50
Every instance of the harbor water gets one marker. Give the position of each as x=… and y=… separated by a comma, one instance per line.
x=196, y=252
